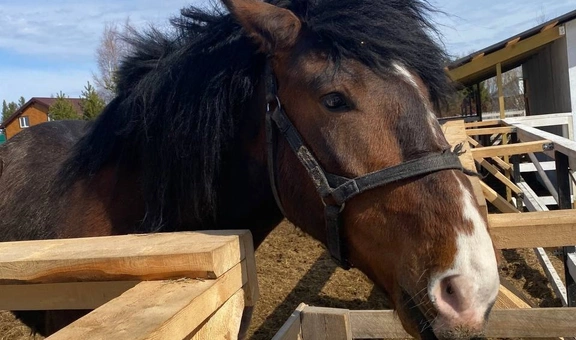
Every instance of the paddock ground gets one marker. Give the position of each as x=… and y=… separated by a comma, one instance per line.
x=293, y=268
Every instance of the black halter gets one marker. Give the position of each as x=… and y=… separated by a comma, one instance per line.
x=336, y=190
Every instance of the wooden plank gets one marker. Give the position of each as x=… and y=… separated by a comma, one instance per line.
x=564, y=145
x=543, y=176
x=492, y=169
x=225, y=323
x=549, y=26
x=170, y=309
x=483, y=123
x=500, y=86
x=55, y=296
x=508, y=300
x=497, y=160
x=513, y=42
x=291, y=330
x=490, y=61
x=511, y=323
x=541, y=120
x=490, y=131
x=455, y=133
x=377, y=325
x=320, y=323
x=498, y=201
x=533, y=229
x=510, y=149
x=204, y=254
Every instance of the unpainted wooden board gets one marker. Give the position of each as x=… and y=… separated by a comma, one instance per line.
x=455, y=134
x=510, y=323
x=490, y=130
x=224, y=324
x=533, y=229
x=292, y=328
x=496, y=160
x=484, y=123
x=56, y=296
x=508, y=300
x=319, y=323
x=509, y=149
x=203, y=254
x=492, y=169
x=167, y=310
x=498, y=201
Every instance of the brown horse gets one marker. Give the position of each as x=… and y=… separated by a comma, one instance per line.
x=319, y=111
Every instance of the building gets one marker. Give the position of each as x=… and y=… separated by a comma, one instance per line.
x=547, y=57
x=33, y=112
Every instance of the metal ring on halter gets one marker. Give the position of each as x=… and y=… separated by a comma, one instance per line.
x=278, y=104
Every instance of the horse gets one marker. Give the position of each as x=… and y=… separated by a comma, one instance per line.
x=318, y=111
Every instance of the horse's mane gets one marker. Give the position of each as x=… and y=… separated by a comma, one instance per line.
x=181, y=94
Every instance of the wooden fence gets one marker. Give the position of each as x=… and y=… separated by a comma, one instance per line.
x=186, y=285
x=523, y=221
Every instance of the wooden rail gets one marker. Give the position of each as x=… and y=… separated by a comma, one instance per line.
x=308, y=323
x=186, y=285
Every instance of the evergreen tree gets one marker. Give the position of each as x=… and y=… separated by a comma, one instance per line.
x=8, y=109
x=62, y=109
x=21, y=102
x=92, y=104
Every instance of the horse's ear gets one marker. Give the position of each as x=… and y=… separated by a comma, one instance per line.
x=274, y=28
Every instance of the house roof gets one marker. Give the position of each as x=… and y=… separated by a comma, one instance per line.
x=44, y=101
x=510, y=53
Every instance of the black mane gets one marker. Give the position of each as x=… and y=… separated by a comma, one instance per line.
x=182, y=95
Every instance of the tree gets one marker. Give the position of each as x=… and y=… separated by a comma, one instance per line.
x=92, y=104
x=8, y=109
x=113, y=47
x=21, y=102
x=62, y=108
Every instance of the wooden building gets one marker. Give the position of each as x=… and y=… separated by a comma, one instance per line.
x=33, y=112
x=547, y=56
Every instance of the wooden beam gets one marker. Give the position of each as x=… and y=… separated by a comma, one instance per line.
x=158, y=309
x=530, y=167
x=510, y=323
x=319, y=323
x=484, y=123
x=490, y=131
x=533, y=229
x=549, y=26
x=225, y=322
x=543, y=176
x=511, y=149
x=56, y=296
x=492, y=169
x=500, y=90
x=478, y=56
x=497, y=160
x=564, y=145
x=498, y=201
x=490, y=61
x=506, y=299
x=541, y=120
x=203, y=254
x=291, y=330
x=513, y=42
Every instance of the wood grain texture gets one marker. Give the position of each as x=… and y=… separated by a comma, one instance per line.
x=170, y=309
x=509, y=149
x=204, y=254
x=319, y=323
x=55, y=296
x=224, y=324
x=490, y=130
x=533, y=229
x=292, y=328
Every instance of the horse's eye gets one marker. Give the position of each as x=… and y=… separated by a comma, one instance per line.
x=335, y=102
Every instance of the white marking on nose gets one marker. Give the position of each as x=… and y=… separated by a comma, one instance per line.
x=403, y=72
x=473, y=279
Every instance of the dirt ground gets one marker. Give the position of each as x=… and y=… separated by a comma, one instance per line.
x=293, y=268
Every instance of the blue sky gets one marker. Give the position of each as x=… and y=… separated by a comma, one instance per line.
x=49, y=46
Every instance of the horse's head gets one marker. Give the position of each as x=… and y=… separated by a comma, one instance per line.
x=358, y=81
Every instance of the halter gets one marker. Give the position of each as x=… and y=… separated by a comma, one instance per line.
x=336, y=190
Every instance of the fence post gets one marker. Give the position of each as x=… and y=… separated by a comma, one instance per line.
x=565, y=202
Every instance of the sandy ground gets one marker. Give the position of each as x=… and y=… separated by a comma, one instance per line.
x=293, y=268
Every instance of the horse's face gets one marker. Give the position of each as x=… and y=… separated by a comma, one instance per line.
x=422, y=239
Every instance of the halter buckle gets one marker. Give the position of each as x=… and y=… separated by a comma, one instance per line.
x=278, y=104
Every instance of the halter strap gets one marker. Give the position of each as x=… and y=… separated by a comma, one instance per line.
x=336, y=190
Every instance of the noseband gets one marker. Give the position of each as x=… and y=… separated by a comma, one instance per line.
x=336, y=190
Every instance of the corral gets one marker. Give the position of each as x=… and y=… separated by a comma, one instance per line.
x=509, y=230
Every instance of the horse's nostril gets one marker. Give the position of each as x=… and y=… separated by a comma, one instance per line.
x=449, y=289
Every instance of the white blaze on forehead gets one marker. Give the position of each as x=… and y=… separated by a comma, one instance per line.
x=475, y=259
x=403, y=73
